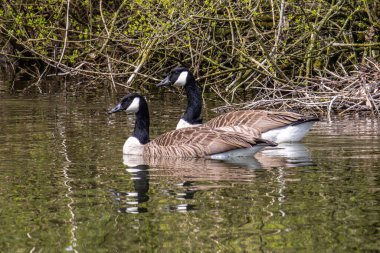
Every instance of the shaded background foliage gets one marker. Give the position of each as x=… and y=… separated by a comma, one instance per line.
x=230, y=45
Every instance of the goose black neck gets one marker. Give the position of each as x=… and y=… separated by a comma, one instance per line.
x=194, y=101
x=141, y=131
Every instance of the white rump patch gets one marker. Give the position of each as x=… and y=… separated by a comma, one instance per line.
x=134, y=106
x=132, y=146
x=288, y=133
x=183, y=124
x=181, y=80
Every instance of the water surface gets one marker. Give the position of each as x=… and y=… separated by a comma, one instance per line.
x=65, y=186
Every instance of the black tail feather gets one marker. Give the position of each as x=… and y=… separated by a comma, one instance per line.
x=304, y=120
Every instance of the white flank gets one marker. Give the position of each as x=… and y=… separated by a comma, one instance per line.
x=134, y=106
x=181, y=81
x=288, y=133
x=183, y=123
x=243, y=152
x=132, y=146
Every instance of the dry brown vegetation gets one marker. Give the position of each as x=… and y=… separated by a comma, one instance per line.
x=357, y=90
x=320, y=55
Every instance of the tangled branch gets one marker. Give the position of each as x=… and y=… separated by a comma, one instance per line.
x=284, y=53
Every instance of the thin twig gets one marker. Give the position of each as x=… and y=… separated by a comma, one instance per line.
x=66, y=33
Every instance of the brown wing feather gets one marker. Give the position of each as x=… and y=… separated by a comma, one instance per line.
x=199, y=142
x=177, y=136
x=241, y=129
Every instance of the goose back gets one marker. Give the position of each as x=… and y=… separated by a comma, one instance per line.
x=262, y=121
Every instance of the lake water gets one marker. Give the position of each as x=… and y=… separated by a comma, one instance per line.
x=65, y=186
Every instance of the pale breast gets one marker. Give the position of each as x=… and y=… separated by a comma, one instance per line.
x=132, y=146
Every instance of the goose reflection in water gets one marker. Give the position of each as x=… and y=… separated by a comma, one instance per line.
x=186, y=173
x=285, y=155
x=140, y=177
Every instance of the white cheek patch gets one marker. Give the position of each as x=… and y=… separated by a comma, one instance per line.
x=134, y=106
x=181, y=80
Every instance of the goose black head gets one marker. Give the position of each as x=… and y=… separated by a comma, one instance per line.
x=129, y=103
x=178, y=77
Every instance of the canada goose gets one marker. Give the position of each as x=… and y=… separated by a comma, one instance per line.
x=274, y=126
x=186, y=142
